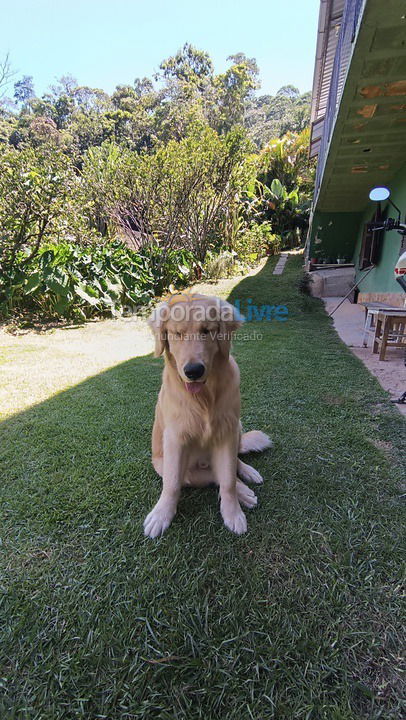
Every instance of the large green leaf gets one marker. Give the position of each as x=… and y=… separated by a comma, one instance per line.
x=84, y=292
x=57, y=282
x=33, y=282
x=46, y=258
x=278, y=189
x=115, y=288
x=61, y=305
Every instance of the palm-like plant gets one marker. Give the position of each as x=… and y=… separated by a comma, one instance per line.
x=286, y=181
x=287, y=159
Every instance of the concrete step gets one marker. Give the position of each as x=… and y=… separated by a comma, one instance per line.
x=332, y=283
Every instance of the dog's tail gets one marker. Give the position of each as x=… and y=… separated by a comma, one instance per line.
x=254, y=441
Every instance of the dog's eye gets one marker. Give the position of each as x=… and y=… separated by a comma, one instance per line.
x=204, y=331
x=178, y=334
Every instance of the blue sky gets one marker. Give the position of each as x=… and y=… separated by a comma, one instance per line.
x=108, y=42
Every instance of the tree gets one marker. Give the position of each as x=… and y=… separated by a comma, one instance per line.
x=91, y=100
x=6, y=74
x=143, y=86
x=43, y=131
x=268, y=117
x=287, y=159
x=24, y=89
x=241, y=59
x=289, y=91
x=86, y=130
x=34, y=188
x=181, y=194
x=234, y=88
x=66, y=85
x=189, y=65
x=140, y=115
x=8, y=124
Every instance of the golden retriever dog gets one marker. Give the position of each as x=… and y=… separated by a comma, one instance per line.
x=197, y=436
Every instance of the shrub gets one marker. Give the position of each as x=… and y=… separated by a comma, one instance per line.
x=171, y=267
x=35, y=187
x=257, y=241
x=73, y=282
x=70, y=281
x=181, y=194
x=220, y=265
x=106, y=180
x=305, y=283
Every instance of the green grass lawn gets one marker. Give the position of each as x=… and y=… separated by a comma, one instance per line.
x=299, y=618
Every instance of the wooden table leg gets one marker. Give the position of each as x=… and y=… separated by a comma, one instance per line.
x=378, y=326
x=385, y=333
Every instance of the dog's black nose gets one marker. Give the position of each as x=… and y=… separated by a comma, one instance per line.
x=194, y=371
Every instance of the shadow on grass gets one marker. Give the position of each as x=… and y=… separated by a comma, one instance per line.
x=301, y=615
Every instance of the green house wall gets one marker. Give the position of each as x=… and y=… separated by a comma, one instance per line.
x=340, y=235
x=333, y=235
x=381, y=279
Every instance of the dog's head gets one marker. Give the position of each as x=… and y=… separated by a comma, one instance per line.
x=194, y=329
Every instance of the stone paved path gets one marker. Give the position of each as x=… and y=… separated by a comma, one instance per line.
x=280, y=265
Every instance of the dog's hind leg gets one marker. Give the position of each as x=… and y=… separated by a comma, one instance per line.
x=248, y=473
x=245, y=495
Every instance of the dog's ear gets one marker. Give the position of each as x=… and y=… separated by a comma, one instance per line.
x=230, y=320
x=157, y=323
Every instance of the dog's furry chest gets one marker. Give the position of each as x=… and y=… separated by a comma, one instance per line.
x=205, y=426
x=204, y=419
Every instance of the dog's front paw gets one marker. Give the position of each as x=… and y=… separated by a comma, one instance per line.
x=245, y=495
x=234, y=519
x=158, y=520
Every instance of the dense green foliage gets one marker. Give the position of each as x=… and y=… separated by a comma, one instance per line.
x=67, y=280
x=166, y=170
x=155, y=110
x=288, y=178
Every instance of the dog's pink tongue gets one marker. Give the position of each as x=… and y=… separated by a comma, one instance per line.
x=193, y=387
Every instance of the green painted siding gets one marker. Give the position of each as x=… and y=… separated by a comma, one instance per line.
x=341, y=236
x=337, y=232
x=381, y=279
